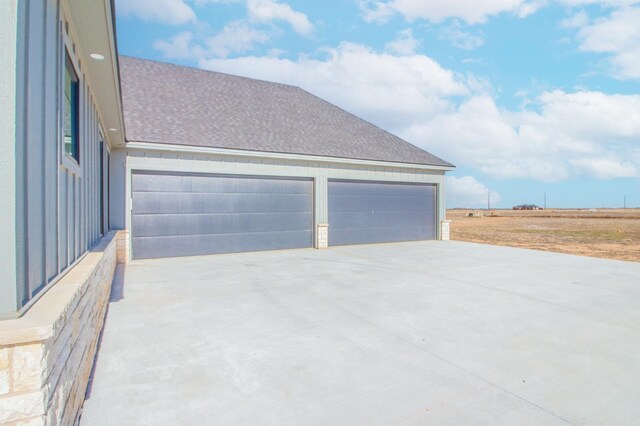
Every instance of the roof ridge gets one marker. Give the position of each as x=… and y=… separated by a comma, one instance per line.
x=207, y=71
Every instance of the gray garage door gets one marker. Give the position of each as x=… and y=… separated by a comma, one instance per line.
x=186, y=215
x=379, y=212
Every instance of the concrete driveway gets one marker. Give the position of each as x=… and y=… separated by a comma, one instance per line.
x=410, y=333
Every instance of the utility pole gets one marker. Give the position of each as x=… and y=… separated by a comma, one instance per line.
x=625, y=202
x=488, y=200
x=545, y=200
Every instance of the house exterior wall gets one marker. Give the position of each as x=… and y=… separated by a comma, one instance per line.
x=193, y=160
x=53, y=203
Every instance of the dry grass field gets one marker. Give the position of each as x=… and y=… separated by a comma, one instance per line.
x=607, y=233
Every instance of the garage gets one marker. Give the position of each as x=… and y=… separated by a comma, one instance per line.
x=363, y=212
x=217, y=163
x=198, y=214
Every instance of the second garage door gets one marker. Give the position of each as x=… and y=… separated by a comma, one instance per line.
x=186, y=215
x=378, y=212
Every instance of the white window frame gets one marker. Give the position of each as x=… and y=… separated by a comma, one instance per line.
x=66, y=160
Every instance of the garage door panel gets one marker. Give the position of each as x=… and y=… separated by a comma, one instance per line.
x=183, y=203
x=153, y=182
x=375, y=212
x=380, y=219
x=204, y=184
x=195, y=245
x=192, y=224
x=356, y=203
x=182, y=215
x=379, y=235
x=375, y=189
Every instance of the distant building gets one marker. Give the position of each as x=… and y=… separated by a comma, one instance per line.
x=527, y=207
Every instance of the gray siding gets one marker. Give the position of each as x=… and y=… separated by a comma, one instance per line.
x=58, y=216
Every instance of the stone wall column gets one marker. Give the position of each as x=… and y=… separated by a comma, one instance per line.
x=322, y=236
x=122, y=246
x=445, y=230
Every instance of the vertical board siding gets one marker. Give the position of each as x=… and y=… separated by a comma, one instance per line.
x=63, y=226
x=22, y=50
x=50, y=174
x=11, y=84
x=82, y=193
x=36, y=78
x=95, y=180
x=60, y=217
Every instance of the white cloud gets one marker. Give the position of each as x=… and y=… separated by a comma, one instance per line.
x=593, y=115
x=202, y=2
x=557, y=136
x=480, y=135
x=570, y=136
x=391, y=90
x=467, y=192
x=619, y=36
x=271, y=10
x=603, y=3
x=530, y=7
x=472, y=12
x=172, y=12
x=236, y=37
x=376, y=11
x=179, y=46
x=605, y=168
x=459, y=38
x=404, y=44
x=577, y=20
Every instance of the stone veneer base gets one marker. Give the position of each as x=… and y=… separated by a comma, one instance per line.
x=46, y=356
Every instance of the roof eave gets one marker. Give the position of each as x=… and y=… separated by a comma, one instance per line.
x=193, y=149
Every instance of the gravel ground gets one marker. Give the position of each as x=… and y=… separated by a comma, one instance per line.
x=605, y=233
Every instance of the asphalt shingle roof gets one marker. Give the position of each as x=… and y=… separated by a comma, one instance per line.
x=170, y=104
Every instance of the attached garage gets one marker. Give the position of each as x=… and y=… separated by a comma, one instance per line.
x=380, y=212
x=196, y=214
x=217, y=163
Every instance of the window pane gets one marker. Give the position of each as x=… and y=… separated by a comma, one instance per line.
x=71, y=142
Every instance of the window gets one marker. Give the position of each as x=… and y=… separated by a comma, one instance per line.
x=71, y=109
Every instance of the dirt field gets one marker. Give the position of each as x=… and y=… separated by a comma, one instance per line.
x=607, y=233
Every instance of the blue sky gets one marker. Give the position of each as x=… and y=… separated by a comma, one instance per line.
x=525, y=97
